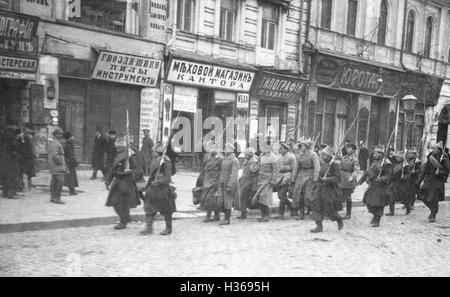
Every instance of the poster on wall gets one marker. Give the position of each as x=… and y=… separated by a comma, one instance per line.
x=253, y=133
x=292, y=127
x=48, y=76
x=167, y=111
x=185, y=99
x=149, y=119
x=157, y=20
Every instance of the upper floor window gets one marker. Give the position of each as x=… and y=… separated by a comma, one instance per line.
x=5, y=4
x=428, y=37
x=409, y=40
x=325, y=20
x=185, y=15
x=382, y=23
x=269, y=26
x=228, y=12
x=114, y=15
x=351, y=17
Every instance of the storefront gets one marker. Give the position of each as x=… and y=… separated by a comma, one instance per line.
x=197, y=90
x=18, y=65
x=342, y=89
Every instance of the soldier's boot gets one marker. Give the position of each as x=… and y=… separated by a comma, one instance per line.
x=227, y=219
x=408, y=209
x=372, y=221
x=340, y=223
x=168, y=230
x=432, y=218
x=319, y=227
x=94, y=175
x=376, y=222
x=208, y=218
x=301, y=214
x=120, y=226
x=294, y=212
x=391, y=210
x=216, y=216
x=149, y=219
x=243, y=215
x=280, y=215
x=348, y=215
x=308, y=211
x=265, y=216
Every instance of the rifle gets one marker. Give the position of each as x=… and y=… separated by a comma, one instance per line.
x=127, y=140
x=317, y=139
x=385, y=153
x=405, y=163
x=440, y=161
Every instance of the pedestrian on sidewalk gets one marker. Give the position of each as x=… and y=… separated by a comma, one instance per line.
x=363, y=156
x=349, y=171
x=248, y=181
x=308, y=167
x=327, y=201
x=121, y=183
x=268, y=178
x=415, y=165
x=287, y=164
x=398, y=185
x=98, y=153
x=147, y=150
x=434, y=173
x=376, y=196
x=229, y=183
x=211, y=183
x=11, y=169
x=28, y=154
x=57, y=166
x=70, y=179
x=159, y=195
x=111, y=150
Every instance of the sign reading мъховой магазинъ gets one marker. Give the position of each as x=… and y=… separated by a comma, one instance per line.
x=209, y=76
x=127, y=69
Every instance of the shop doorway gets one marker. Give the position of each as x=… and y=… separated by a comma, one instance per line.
x=11, y=101
x=274, y=118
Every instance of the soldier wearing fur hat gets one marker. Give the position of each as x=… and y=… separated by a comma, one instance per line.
x=349, y=181
x=287, y=164
x=326, y=200
x=248, y=181
x=121, y=183
x=308, y=167
x=57, y=166
x=434, y=173
x=160, y=196
x=415, y=165
x=398, y=185
x=377, y=176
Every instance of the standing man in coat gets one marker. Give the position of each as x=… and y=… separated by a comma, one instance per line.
x=111, y=151
x=398, y=185
x=98, y=154
x=349, y=181
x=57, y=166
x=147, y=150
x=248, y=181
x=363, y=156
x=159, y=195
x=287, y=164
x=229, y=183
x=211, y=183
x=29, y=155
x=434, y=173
x=268, y=177
x=121, y=183
x=376, y=196
x=71, y=178
x=327, y=201
x=415, y=166
x=11, y=173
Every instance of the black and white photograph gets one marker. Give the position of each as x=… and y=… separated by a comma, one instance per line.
x=220, y=139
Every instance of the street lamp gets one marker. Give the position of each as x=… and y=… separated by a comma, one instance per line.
x=409, y=102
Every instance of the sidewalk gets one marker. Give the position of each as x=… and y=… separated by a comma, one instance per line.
x=35, y=212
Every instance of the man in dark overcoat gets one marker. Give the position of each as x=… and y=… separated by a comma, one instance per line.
x=98, y=153
x=111, y=150
x=121, y=183
x=10, y=162
x=398, y=187
x=28, y=154
x=248, y=181
x=71, y=178
x=147, y=150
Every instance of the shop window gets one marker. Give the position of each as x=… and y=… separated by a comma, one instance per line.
x=269, y=26
x=419, y=125
x=185, y=15
x=351, y=16
x=428, y=37
x=392, y=117
x=325, y=20
x=228, y=12
x=410, y=32
x=311, y=132
x=318, y=122
x=382, y=23
x=363, y=122
x=114, y=15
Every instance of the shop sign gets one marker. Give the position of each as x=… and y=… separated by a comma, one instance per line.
x=326, y=71
x=359, y=77
x=127, y=69
x=157, y=20
x=37, y=7
x=167, y=111
x=18, y=33
x=149, y=118
x=209, y=76
x=74, y=68
x=185, y=99
x=17, y=75
x=275, y=86
x=18, y=64
x=243, y=100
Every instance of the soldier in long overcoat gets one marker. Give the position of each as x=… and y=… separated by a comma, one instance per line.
x=121, y=183
x=349, y=177
x=327, y=200
x=398, y=185
x=434, y=173
x=111, y=150
x=268, y=178
x=160, y=195
x=415, y=166
x=376, y=196
x=211, y=184
x=308, y=167
x=98, y=153
x=248, y=181
x=147, y=150
x=287, y=164
x=229, y=183
x=71, y=178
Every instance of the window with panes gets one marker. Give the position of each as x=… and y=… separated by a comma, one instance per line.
x=270, y=14
x=325, y=20
x=185, y=15
x=228, y=14
x=382, y=23
x=351, y=17
x=410, y=32
x=428, y=37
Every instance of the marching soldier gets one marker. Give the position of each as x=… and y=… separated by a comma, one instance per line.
x=211, y=183
x=308, y=167
x=398, y=186
x=376, y=196
x=349, y=172
x=121, y=183
x=160, y=196
x=415, y=165
x=434, y=173
x=288, y=167
x=248, y=181
x=229, y=183
x=326, y=200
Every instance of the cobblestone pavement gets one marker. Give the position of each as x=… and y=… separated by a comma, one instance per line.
x=403, y=246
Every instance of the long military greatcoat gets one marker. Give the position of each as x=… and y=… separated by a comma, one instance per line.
x=377, y=194
x=70, y=179
x=327, y=195
x=249, y=181
x=98, y=153
x=229, y=182
x=434, y=179
x=308, y=169
x=267, y=178
x=211, y=183
x=398, y=184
